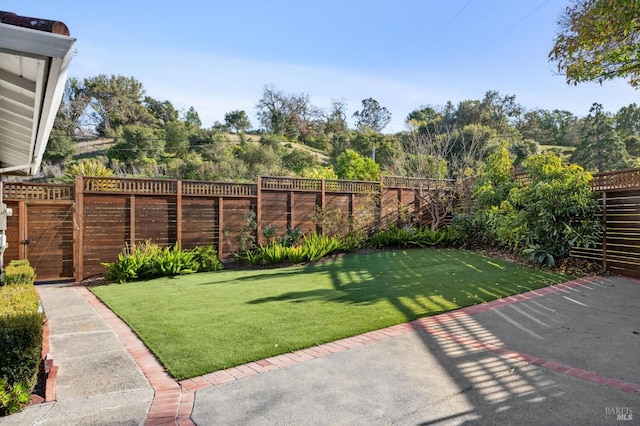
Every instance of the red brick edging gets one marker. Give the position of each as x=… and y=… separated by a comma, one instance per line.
x=171, y=404
x=50, y=370
x=173, y=401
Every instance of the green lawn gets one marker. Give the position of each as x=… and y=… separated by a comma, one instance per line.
x=199, y=323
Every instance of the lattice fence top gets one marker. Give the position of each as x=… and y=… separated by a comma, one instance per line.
x=291, y=184
x=623, y=179
x=223, y=189
x=37, y=191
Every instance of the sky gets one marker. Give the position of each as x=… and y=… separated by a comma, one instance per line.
x=218, y=56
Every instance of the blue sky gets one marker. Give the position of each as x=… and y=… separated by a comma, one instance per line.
x=219, y=55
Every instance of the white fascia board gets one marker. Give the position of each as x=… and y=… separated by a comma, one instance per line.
x=28, y=42
x=57, y=79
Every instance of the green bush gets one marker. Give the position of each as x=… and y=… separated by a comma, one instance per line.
x=20, y=344
x=12, y=397
x=542, y=219
x=315, y=246
x=19, y=272
x=207, y=258
x=148, y=260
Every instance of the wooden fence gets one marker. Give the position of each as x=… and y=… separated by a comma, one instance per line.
x=619, y=196
x=68, y=231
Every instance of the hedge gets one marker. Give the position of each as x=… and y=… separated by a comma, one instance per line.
x=19, y=272
x=20, y=334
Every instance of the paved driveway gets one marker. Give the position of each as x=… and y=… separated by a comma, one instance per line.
x=569, y=354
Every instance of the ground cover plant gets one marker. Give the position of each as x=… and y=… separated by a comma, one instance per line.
x=201, y=323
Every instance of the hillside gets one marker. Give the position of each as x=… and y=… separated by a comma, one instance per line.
x=98, y=147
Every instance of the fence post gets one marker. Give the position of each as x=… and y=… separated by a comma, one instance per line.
x=179, y=213
x=78, y=229
x=132, y=221
x=220, y=227
x=604, y=231
x=258, y=210
x=22, y=225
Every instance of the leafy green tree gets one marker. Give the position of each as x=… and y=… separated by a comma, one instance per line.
x=373, y=116
x=298, y=160
x=60, y=148
x=136, y=145
x=237, y=121
x=599, y=40
x=319, y=172
x=601, y=148
x=426, y=120
x=163, y=111
x=382, y=148
x=176, y=135
x=352, y=166
x=116, y=101
x=192, y=118
x=627, y=124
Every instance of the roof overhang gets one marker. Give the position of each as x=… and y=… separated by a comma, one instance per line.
x=33, y=73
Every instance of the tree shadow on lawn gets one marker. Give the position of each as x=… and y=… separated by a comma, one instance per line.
x=416, y=282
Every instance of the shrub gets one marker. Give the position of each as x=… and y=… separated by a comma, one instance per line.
x=12, y=397
x=295, y=254
x=542, y=219
x=173, y=261
x=207, y=258
x=272, y=253
x=148, y=260
x=20, y=344
x=316, y=246
x=19, y=272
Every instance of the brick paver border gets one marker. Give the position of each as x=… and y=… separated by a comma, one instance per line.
x=173, y=401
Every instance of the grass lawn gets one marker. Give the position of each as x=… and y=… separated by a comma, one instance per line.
x=199, y=323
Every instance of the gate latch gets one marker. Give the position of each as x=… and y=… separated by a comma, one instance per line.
x=25, y=242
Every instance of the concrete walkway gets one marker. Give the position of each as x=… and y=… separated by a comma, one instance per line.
x=98, y=382
x=566, y=354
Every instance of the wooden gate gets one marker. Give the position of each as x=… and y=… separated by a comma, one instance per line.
x=48, y=240
x=41, y=228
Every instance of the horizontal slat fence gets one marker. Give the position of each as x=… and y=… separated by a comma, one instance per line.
x=68, y=231
x=89, y=223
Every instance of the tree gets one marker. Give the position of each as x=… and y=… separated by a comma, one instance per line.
x=75, y=100
x=441, y=162
x=286, y=115
x=372, y=116
x=192, y=118
x=352, y=166
x=237, y=120
x=599, y=40
x=137, y=145
x=60, y=148
x=116, y=101
x=627, y=123
x=601, y=148
x=163, y=111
